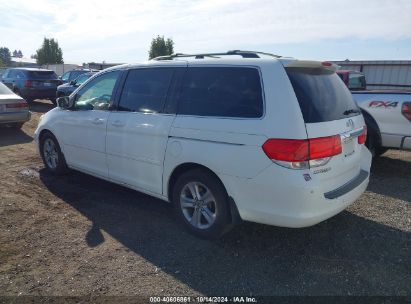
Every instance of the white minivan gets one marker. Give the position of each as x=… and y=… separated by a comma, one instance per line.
x=225, y=137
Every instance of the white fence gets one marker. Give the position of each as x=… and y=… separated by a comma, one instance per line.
x=60, y=69
x=392, y=74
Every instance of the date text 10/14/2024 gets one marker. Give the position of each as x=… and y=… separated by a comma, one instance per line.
x=202, y=299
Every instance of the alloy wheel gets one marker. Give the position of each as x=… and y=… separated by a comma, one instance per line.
x=198, y=205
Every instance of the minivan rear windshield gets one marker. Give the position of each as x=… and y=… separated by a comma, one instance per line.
x=41, y=75
x=322, y=95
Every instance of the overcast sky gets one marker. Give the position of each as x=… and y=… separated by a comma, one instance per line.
x=121, y=30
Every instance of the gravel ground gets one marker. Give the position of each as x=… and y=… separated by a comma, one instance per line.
x=78, y=235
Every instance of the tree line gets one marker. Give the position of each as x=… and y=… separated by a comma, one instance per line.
x=51, y=53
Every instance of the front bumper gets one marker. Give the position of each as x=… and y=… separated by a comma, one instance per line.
x=11, y=117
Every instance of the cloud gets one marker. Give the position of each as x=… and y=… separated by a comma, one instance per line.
x=121, y=30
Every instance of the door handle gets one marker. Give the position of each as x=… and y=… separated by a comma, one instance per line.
x=118, y=123
x=97, y=121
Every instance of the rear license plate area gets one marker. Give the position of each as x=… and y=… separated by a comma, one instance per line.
x=348, y=146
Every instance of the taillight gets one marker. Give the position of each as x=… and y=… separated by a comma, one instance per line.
x=406, y=110
x=28, y=84
x=18, y=105
x=325, y=146
x=291, y=150
x=302, y=153
x=363, y=136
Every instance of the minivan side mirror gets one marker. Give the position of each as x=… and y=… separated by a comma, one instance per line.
x=65, y=102
x=73, y=82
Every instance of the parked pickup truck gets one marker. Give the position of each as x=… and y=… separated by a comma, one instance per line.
x=387, y=113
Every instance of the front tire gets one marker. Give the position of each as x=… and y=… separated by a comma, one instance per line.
x=201, y=203
x=51, y=154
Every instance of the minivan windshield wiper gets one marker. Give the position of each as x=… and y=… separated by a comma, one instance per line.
x=351, y=111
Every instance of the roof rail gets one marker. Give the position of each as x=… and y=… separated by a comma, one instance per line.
x=244, y=54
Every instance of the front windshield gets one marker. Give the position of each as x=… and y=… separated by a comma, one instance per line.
x=82, y=78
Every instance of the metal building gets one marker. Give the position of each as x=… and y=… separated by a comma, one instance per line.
x=382, y=74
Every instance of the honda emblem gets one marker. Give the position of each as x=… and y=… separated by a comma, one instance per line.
x=350, y=124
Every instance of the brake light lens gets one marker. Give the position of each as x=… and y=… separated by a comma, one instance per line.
x=325, y=146
x=17, y=105
x=302, y=153
x=406, y=110
x=291, y=150
x=363, y=136
x=28, y=84
x=326, y=63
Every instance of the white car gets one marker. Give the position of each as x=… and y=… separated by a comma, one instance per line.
x=224, y=137
x=14, y=110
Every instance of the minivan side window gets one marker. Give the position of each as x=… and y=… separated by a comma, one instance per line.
x=145, y=90
x=98, y=93
x=222, y=91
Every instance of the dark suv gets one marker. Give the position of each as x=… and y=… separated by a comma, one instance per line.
x=32, y=83
x=2, y=70
x=73, y=74
x=68, y=88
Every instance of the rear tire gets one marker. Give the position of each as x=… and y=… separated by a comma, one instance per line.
x=201, y=204
x=373, y=141
x=51, y=154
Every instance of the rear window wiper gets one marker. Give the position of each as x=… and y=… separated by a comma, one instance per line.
x=351, y=111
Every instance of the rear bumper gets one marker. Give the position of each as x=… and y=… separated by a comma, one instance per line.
x=282, y=197
x=11, y=117
x=352, y=184
x=38, y=93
